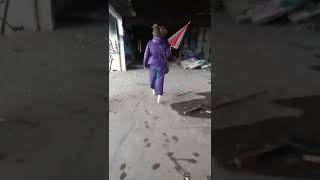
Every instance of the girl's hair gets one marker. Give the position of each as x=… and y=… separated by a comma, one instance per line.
x=159, y=30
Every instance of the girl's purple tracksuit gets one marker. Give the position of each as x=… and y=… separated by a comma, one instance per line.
x=155, y=56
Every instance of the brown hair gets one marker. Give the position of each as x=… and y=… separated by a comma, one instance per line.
x=159, y=30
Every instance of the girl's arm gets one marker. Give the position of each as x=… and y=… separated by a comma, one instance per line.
x=146, y=56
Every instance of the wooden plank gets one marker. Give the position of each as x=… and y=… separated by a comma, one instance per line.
x=188, y=111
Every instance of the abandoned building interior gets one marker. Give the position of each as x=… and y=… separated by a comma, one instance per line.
x=170, y=140
x=60, y=58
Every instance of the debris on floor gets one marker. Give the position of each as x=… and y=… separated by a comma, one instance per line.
x=195, y=107
x=187, y=62
x=183, y=93
x=304, y=14
x=262, y=12
x=206, y=66
x=188, y=111
x=193, y=63
x=285, y=154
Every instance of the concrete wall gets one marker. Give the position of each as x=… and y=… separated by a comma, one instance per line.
x=20, y=13
x=33, y=15
x=46, y=14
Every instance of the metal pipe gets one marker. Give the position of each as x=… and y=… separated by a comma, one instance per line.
x=36, y=15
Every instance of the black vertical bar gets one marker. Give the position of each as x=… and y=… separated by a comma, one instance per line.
x=3, y=26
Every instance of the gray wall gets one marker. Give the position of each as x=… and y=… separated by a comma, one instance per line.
x=20, y=13
x=23, y=13
x=45, y=14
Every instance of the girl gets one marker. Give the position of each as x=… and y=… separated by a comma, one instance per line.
x=155, y=57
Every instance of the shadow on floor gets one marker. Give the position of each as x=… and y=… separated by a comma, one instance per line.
x=229, y=141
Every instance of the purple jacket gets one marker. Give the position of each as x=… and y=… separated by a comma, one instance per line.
x=156, y=53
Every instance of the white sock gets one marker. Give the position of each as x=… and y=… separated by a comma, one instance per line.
x=154, y=92
x=158, y=100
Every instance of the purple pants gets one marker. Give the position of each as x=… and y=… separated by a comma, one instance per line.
x=157, y=80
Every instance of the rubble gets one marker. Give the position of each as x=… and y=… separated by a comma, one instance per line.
x=193, y=63
x=186, y=63
x=197, y=64
x=262, y=12
x=206, y=66
x=304, y=14
x=269, y=12
x=292, y=151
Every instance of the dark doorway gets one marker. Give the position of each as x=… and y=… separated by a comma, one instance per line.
x=78, y=13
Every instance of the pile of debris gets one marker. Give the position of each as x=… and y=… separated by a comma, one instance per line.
x=291, y=152
x=266, y=11
x=193, y=63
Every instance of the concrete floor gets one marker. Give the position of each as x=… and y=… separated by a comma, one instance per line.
x=141, y=132
x=51, y=89
x=278, y=60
